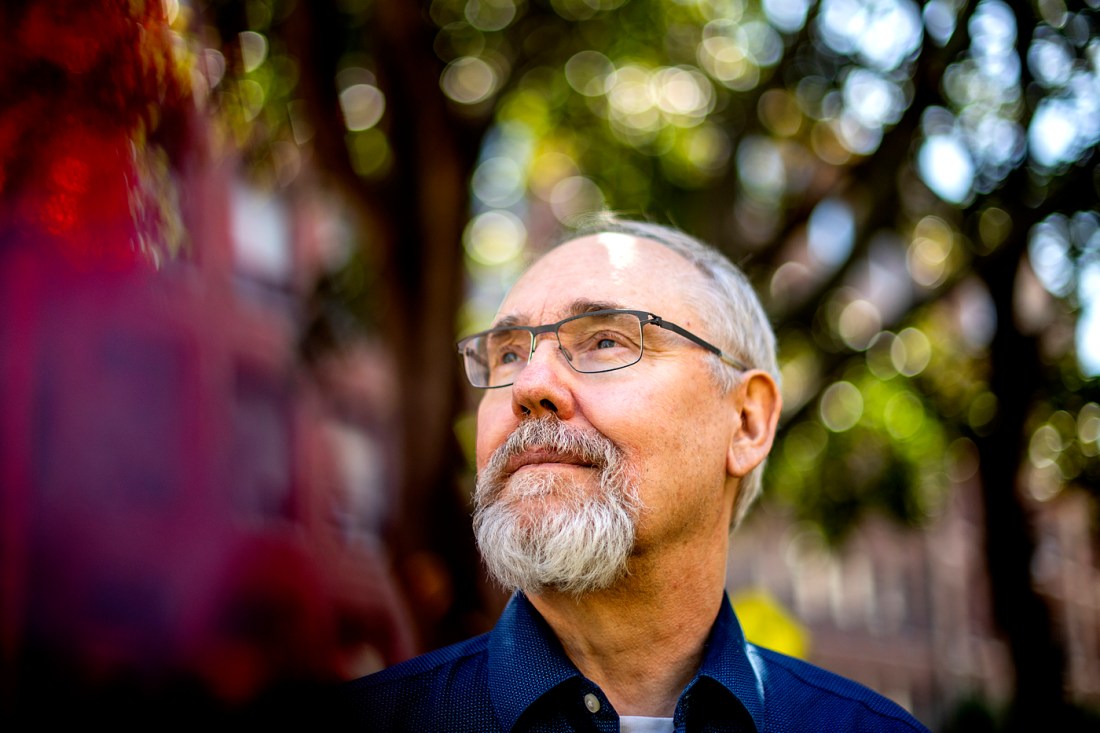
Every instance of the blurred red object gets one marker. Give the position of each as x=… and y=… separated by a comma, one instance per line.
x=170, y=507
x=177, y=539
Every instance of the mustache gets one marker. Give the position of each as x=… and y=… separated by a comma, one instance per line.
x=547, y=434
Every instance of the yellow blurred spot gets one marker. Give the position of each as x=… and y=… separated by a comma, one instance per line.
x=369, y=151
x=549, y=169
x=707, y=147
x=929, y=252
x=1044, y=447
x=768, y=624
x=494, y=237
x=904, y=415
x=251, y=96
x=1088, y=429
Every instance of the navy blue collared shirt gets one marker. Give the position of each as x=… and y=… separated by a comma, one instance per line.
x=518, y=678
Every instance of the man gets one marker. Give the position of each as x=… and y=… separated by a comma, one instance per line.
x=630, y=401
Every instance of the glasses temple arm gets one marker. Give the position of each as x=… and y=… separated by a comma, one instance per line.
x=661, y=323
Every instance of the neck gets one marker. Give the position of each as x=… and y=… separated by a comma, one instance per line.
x=642, y=640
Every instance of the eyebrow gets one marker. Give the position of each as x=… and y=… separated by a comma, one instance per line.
x=576, y=308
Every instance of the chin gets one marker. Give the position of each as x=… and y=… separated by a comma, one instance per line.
x=538, y=483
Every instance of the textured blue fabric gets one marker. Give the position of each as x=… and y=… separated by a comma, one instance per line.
x=518, y=678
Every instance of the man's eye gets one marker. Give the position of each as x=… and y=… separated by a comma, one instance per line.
x=608, y=339
x=509, y=354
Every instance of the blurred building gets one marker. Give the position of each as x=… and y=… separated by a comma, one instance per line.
x=190, y=510
x=907, y=612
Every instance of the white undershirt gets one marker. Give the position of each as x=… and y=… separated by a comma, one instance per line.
x=642, y=724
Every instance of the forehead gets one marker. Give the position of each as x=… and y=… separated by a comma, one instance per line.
x=611, y=269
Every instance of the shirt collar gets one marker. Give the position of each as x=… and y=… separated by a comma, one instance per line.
x=727, y=661
x=526, y=661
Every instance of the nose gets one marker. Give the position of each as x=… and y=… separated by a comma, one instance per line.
x=545, y=384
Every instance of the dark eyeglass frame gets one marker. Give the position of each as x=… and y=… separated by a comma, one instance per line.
x=645, y=318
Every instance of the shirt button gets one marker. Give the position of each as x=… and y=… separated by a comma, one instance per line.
x=592, y=703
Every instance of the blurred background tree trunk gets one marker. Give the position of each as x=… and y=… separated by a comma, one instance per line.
x=412, y=223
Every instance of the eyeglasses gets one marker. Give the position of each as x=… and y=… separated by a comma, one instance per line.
x=600, y=341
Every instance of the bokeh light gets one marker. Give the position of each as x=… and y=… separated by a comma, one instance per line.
x=779, y=111
x=841, y=406
x=1088, y=429
x=1088, y=323
x=253, y=49
x=498, y=181
x=494, y=238
x=880, y=361
x=369, y=152
x=939, y=19
x=469, y=80
x=735, y=52
x=1049, y=254
x=911, y=351
x=362, y=105
x=787, y=16
x=831, y=232
x=574, y=196
x=587, y=72
x=928, y=255
x=874, y=100
x=981, y=411
x=490, y=15
x=945, y=165
x=904, y=415
x=882, y=33
x=858, y=324
x=761, y=168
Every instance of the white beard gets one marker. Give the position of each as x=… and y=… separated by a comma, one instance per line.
x=541, y=530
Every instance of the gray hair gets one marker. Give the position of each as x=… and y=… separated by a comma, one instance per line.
x=735, y=315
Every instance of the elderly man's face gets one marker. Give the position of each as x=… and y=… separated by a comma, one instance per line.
x=665, y=418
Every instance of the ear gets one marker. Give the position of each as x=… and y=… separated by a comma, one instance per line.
x=757, y=402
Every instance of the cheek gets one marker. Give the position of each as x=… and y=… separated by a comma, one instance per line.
x=639, y=421
x=494, y=423
x=678, y=440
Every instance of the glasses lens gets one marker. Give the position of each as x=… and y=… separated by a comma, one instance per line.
x=494, y=359
x=591, y=343
x=600, y=343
